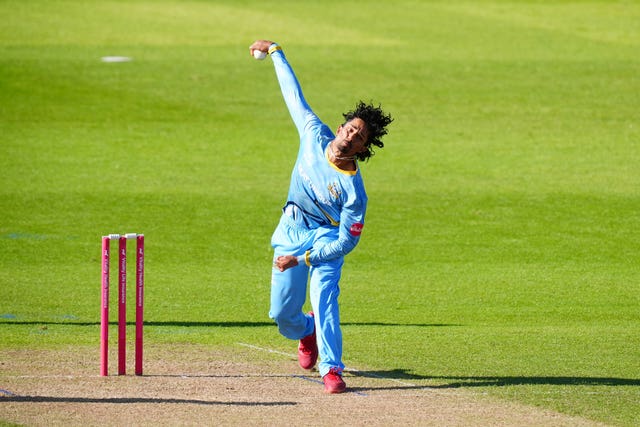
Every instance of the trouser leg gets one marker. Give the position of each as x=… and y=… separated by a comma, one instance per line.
x=289, y=287
x=288, y=294
x=324, y=292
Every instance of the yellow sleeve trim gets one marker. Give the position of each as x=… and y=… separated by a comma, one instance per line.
x=306, y=258
x=273, y=49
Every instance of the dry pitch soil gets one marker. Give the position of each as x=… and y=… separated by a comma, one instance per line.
x=187, y=385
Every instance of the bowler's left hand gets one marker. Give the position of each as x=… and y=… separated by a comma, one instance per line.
x=284, y=262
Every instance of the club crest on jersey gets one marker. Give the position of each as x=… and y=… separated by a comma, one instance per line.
x=334, y=190
x=356, y=229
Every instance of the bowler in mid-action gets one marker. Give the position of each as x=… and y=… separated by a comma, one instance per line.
x=321, y=221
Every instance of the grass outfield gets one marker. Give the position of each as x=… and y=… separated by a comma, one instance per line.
x=501, y=249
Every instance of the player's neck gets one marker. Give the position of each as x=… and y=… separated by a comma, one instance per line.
x=344, y=163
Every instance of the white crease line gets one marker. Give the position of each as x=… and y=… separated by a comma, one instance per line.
x=381, y=377
x=356, y=371
x=268, y=350
x=37, y=377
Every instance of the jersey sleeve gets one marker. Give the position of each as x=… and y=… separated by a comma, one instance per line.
x=303, y=117
x=349, y=230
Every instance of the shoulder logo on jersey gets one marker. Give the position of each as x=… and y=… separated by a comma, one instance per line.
x=356, y=229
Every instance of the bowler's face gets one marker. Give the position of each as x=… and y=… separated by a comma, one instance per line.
x=352, y=137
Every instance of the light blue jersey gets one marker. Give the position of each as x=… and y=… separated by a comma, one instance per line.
x=324, y=195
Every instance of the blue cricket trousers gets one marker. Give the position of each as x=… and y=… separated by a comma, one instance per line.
x=289, y=291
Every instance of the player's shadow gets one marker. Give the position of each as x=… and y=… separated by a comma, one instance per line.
x=226, y=324
x=134, y=400
x=246, y=324
x=401, y=379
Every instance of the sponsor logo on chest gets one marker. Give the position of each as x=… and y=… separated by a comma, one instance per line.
x=334, y=190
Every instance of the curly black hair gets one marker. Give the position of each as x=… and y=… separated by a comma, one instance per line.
x=376, y=121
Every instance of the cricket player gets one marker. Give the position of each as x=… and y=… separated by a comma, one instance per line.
x=321, y=222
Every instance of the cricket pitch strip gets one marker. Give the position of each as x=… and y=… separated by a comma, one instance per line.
x=244, y=385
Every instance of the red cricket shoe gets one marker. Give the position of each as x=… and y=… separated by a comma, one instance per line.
x=333, y=382
x=308, y=350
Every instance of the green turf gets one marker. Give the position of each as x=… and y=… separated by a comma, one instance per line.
x=501, y=248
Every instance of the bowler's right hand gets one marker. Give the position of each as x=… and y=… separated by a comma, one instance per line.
x=261, y=45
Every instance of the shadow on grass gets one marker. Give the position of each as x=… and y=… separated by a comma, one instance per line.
x=134, y=400
x=445, y=382
x=243, y=324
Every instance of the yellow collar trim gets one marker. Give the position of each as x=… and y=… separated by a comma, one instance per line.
x=336, y=167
